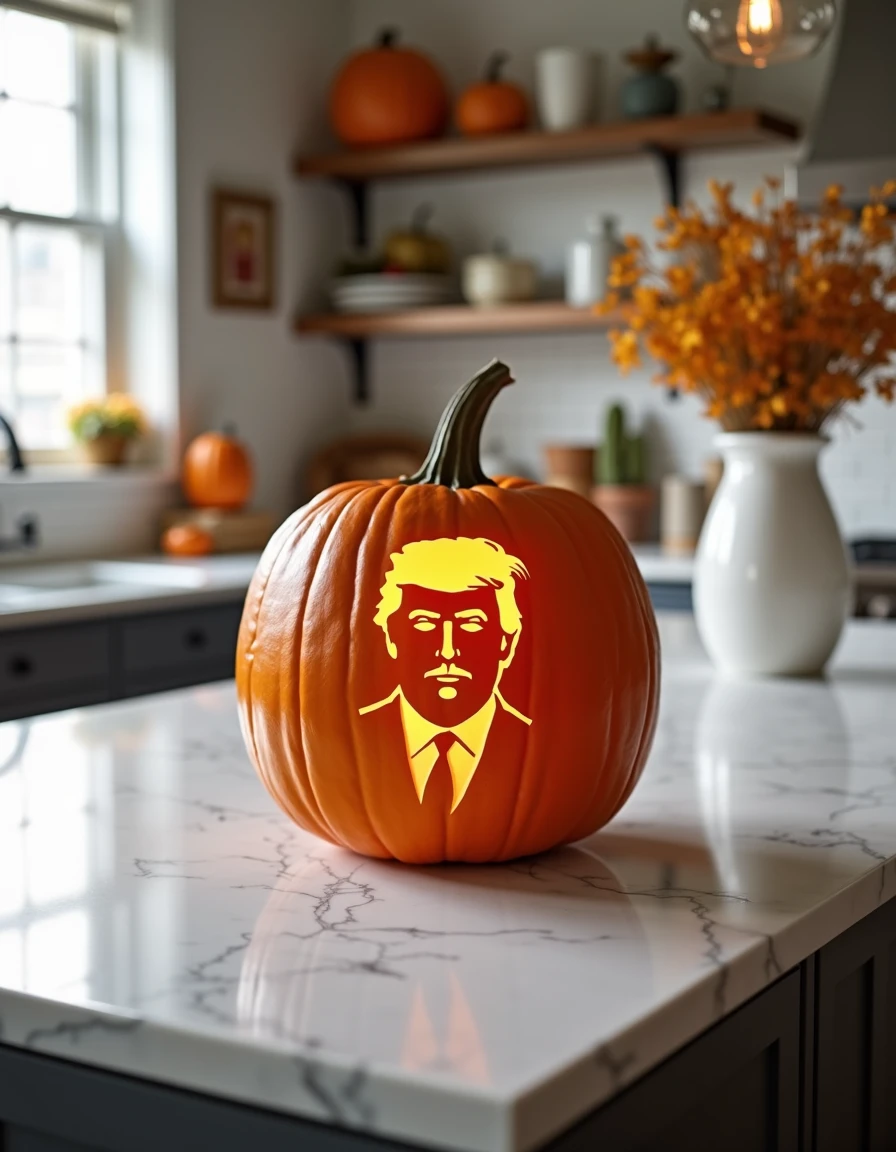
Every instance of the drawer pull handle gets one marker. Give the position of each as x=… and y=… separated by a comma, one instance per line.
x=195, y=638
x=20, y=666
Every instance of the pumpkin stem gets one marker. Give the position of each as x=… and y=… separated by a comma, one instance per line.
x=387, y=38
x=494, y=66
x=453, y=457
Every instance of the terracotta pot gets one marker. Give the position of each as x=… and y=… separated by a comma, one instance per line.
x=628, y=507
x=569, y=466
x=107, y=448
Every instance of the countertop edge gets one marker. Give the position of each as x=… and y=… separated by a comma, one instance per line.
x=327, y=1088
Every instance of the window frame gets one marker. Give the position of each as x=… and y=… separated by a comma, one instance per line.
x=93, y=221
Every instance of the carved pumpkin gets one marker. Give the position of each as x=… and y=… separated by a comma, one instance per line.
x=187, y=540
x=444, y=667
x=217, y=472
x=493, y=105
x=388, y=95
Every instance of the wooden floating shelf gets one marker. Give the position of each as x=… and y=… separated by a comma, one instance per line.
x=735, y=128
x=458, y=320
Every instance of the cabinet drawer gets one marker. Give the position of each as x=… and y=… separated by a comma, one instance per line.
x=31, y=662
x=180, y=640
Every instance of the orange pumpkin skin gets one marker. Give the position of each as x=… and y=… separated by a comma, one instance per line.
x=493, y=105
x=217, y=472
x=187, y=540
x=586, y=670
x=388, y=95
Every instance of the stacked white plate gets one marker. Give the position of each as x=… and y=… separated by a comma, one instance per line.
x=391, y=291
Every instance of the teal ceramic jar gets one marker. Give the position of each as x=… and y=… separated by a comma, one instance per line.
x=650, y=92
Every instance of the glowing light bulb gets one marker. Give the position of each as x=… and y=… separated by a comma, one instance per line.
x=760, y=26
x=756, y=33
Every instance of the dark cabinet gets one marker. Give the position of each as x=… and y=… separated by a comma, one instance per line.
x=855, y=1037
x=736, y=1087
x=44, y=669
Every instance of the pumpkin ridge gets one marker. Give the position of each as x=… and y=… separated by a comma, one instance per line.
x=543, y=779
x=353, y=499
x=307, y=801
x=355, y=620
x=648, y=725
x=635, y=584
x=560, y=503
x=651, y=711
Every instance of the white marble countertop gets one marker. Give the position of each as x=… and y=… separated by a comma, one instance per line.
x=212, y=579
x=159, y=916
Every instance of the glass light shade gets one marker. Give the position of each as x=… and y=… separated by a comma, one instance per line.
x=759, y=32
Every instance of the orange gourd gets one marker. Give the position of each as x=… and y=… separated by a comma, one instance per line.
x=187, y=540
x=445, y=667
x=493, y=105
x=388, y=95
x=217, y=472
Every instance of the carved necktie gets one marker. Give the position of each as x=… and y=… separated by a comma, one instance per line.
x=440, y=785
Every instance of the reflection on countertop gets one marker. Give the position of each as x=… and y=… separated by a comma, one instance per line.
x=159, y=916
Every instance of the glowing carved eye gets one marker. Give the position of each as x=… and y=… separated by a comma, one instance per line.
x=471, y=626
x=424, y=626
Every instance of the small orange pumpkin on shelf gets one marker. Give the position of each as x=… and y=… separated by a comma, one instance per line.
x=187, y=540
x=493, y=105
x=388, y=95
x=447, y=667
x=217, y=472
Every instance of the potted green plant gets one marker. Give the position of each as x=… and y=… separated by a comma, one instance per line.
x=104, y=427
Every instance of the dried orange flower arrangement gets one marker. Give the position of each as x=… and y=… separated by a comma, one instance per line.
x=776, y=317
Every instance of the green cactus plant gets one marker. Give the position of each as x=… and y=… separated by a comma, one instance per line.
x=622, y=458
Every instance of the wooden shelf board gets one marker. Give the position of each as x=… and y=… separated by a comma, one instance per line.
x=736, y=127
x=458, y=320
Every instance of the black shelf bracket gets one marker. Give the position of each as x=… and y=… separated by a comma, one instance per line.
x=358, y=202
x=360, y=368
x=670, y=166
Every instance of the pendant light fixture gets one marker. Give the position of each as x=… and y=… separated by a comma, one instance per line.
x=755, y=33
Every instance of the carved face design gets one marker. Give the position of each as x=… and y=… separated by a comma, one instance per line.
x=449, y=648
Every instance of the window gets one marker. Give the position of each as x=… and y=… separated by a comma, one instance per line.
x=58, y=218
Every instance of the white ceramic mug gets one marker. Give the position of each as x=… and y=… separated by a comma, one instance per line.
x=564, y=88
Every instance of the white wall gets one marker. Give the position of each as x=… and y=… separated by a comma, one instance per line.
x=564, y=382
x=251, y=80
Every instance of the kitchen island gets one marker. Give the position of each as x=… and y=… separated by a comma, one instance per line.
x=182, y=968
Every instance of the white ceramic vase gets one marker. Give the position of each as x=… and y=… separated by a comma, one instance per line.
x=771, y=578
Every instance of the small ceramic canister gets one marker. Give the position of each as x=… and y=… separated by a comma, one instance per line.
x=564, y=88
x=682, y=508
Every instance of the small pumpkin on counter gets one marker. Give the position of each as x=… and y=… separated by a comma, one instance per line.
x=414, y=249
x=388, y=95
x=217, y=472
x=386, y=615
x=187, y=540
x=493, y=105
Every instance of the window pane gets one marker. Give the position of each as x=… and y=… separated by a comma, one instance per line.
x=38, y=148
x=5, y=273
x=5, y=381
x=39, y=59
x=47, y=380
x=49, y=279
x=3, y=16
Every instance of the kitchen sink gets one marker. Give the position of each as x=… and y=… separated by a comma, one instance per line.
x=36, y=585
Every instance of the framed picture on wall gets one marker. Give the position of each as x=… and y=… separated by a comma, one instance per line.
x=242, y=250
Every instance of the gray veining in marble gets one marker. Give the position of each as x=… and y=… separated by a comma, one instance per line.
x=158, y=915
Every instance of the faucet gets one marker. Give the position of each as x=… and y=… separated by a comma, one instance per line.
x=13, y=452
x=27, y=535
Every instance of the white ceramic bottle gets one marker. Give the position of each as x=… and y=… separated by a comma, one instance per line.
x=588, y=262
x=771, y=578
